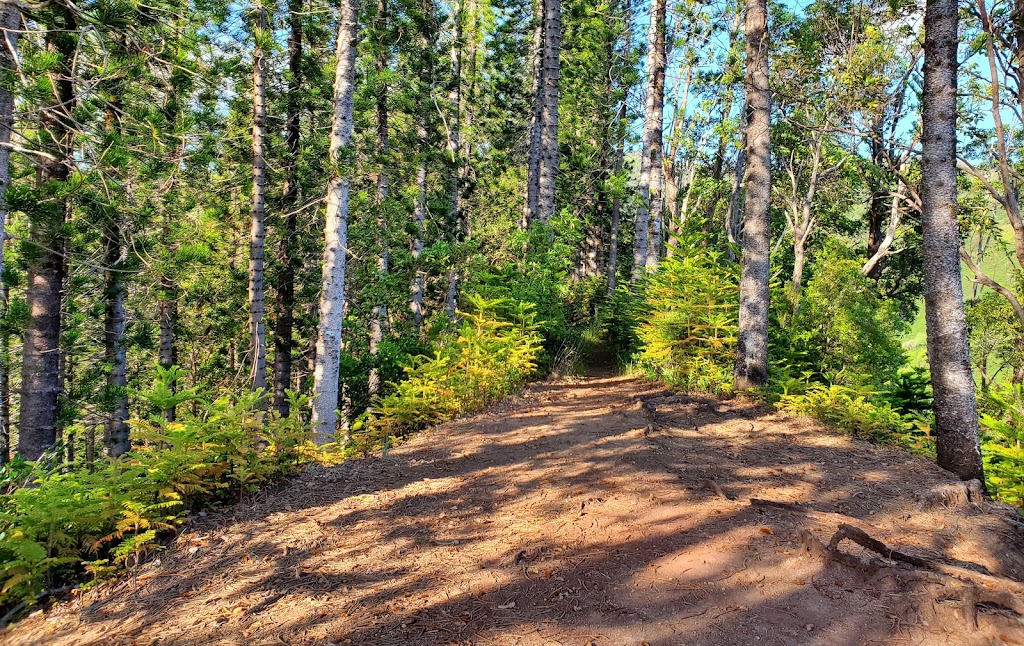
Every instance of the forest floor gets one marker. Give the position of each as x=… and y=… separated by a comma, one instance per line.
x=590, y=511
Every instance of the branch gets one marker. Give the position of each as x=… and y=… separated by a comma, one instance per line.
x=982, y=278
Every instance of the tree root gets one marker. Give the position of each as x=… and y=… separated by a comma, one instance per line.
x=974, y=588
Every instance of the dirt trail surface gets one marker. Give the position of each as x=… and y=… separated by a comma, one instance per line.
x=599, y=511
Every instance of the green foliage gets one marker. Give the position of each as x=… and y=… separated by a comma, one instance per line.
x=686, y=322
x=493, y=351
x=837, y=331
x=861, y=412
x=115, y=511
x=1001, y=449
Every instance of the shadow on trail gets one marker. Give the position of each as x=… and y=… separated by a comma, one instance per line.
x=569, y=516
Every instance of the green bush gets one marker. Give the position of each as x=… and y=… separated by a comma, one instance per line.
x=860, y=412
x=1001, y=449
x=493, y=352
x=838, y=330
x=57, y=522
x=686, y=322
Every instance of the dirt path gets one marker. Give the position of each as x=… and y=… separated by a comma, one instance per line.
x=567, y=516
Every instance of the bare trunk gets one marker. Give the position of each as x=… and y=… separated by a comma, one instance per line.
x=284, y=328
x=755, y=269
x=533, y=152
x=10, y=24
x=332, y=296
x=455, y=125
x=420, y=220
x=380, y=311
x=956, y=416
x=547, y=172
x=37, y=428
x=258, y=213
x=651, y=169
x=116, y=430
x=167, y=350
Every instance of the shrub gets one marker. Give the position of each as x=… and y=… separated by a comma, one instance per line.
x=59, y=520
x=686, y=321
x=493, y=352
x=1001, y=449
x=858, y=412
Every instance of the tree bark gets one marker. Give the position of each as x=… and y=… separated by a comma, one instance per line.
x=380, y=311
x=533, y=150
x=956, y=415
x=258, y=213
x=40, y=390
x=752, y=342
x=652, y=178
x=547, y=172
x=10, y=24
x=332, y=296
x=284, y=328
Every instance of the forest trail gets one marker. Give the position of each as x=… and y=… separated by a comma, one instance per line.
x=582, y=512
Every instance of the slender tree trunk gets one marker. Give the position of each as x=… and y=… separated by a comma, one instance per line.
x=455, y=126
x=380, y=311
x=533, y=154
x=115, y=350
x=420, y=221
x=752, y=343
x=258, y=213
x=332, y=296
x=166, y=347
x=653, y=176
x=956, y=415
x=648, y=216
x=284, y=329
x=41, y=354
x=547, y=172
x=10, y=24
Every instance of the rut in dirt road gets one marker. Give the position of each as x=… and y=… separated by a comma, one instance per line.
x=600, y=511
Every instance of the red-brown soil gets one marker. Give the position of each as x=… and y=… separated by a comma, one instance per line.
x=583, y=512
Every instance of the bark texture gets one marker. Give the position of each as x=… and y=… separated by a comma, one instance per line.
x=752, y=342
x=284, y=326
x=332, y=295
x=40, y=384
x=956, y=415
x=10, y=23
x=547, y=172
x=258, y=212
x=652, y=174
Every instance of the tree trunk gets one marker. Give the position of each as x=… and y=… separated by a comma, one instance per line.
x=332, y=296
x=956, y=415
x=455, y=125
x=258, y=213
x=547, y=172
x=533, y=150
x=166, y=348
x=380, y=311
x=652, y=178
x=752, y=342
x=10, y=24
x=284, y=329
x=115, y=320
x=40, y=392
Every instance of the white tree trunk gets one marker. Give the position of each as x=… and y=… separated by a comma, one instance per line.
x=332, y=295
x=10, y=23
x=258, y=213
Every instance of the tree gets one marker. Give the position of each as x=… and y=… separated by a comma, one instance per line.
x=652, y=178
x=752, y=342
x=41, y=377
x=543, y=165
x=956, y=415
x=258, y=212
x=332, y=296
